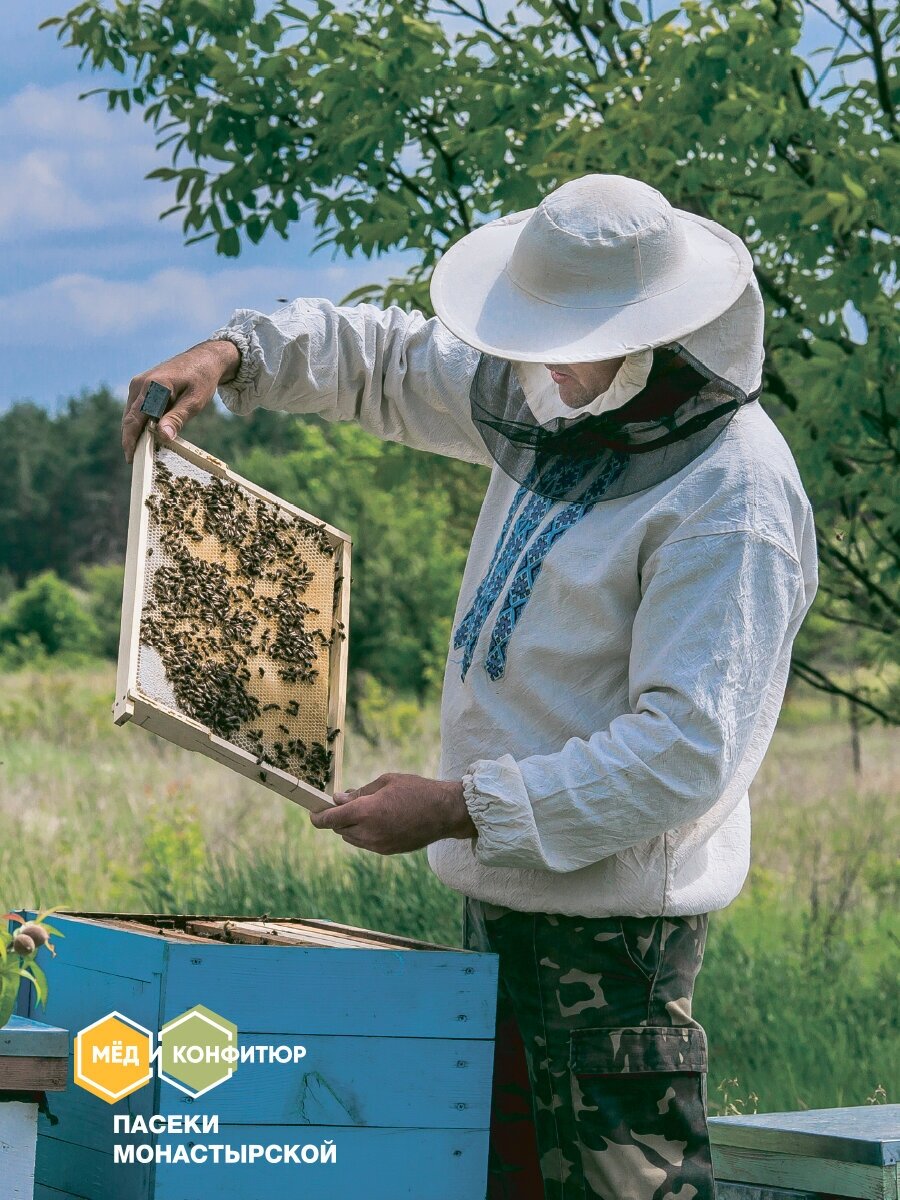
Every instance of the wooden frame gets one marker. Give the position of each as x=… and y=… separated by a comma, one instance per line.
x=132, y=705
x=175, y=926
x=34, y=1057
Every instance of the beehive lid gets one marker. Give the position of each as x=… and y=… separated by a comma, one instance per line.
x=234, y=622
x=33, y=1056
x=838, y=1151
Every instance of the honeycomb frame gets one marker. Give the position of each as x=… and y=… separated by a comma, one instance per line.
x=310, y=698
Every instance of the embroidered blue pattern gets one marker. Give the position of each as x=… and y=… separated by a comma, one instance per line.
x=533, y=560
x=515, y=535
x=465, y=626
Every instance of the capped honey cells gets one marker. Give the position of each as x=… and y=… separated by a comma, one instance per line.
x=238, y=623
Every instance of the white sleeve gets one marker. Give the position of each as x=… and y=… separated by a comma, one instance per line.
x=400, y=376
x=708, y=663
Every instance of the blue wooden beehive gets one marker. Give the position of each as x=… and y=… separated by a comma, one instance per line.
x=397, y=1072
x=820, y=1152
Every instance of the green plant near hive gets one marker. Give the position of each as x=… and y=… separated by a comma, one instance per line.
x=19, y=949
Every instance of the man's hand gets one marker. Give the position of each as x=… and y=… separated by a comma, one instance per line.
x=398, y=813
x=192, y=377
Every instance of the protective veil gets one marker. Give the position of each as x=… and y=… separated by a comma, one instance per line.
x=664, y=407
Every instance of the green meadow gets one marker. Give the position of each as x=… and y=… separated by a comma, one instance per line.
x=799, y=991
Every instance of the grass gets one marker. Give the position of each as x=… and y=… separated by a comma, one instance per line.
x=798, y=993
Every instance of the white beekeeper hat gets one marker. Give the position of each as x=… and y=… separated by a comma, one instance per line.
x=603, y=267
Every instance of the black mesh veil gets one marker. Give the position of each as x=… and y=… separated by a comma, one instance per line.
x=681, y=409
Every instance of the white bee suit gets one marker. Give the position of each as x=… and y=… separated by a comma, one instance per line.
x=607, y=767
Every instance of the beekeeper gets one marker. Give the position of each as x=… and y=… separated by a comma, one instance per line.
x=642, y=562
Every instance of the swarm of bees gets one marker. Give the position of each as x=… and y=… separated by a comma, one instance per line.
x=225, y=610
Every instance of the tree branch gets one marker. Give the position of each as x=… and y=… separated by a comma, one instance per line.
x=480, y=18
x=823, y=12
x=819, y=680
x=873, y=589
x=882, y=81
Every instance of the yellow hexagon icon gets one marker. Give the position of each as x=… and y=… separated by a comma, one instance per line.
x=113, y=1057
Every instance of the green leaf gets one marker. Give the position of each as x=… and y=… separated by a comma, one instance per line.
x=855, y=189
x=39, y=987
x=228, y=243
x=40, y=981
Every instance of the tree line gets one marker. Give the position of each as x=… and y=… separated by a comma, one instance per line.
x=64, y=489
x=64, y=492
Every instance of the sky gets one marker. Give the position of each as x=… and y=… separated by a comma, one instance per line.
x=94, y=287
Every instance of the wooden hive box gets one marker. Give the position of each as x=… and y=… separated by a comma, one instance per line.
x=234, y=623
x=397, y=1072
x=821, y=1152
x=33, y=1059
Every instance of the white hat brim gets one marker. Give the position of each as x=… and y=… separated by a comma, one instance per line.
x=474, y=296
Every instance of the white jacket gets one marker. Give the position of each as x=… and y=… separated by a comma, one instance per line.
x=606, y=755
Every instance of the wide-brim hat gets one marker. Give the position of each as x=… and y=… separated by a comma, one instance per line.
x=603, y=267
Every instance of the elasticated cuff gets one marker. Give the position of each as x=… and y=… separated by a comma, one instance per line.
x=500, y=810
x=243, y=335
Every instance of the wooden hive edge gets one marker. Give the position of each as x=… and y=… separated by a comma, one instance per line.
x=144, y=924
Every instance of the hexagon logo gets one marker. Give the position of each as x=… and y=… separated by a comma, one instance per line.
x=113, y=1057
x=197, y=1051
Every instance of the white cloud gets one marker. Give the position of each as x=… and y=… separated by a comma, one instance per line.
x=72, y=165
x=174, y=302
x=56, y=115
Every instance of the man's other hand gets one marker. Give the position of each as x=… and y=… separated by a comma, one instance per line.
x=398, y=813
x=192, y=377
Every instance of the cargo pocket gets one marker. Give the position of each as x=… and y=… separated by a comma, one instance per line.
x=639, y=1100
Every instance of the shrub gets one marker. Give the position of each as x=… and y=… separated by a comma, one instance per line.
x=47, y=616
x=103, y=586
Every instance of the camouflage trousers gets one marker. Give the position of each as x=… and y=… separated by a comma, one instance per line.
x=600, y=1070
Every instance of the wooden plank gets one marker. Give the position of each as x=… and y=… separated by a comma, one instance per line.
x=91, y=1175
x=868, y=1133
x=337, y=707
x=391, y=939
x=135, y=558
x=744, y=1165
x=177, y=935
x=86, y=1121
x=751, y=1191
x=18, y=1131
x=26, y=1038
x=403, y=1083
x=283, y=931
x=381, y=993
x=190, y=735
x=21, y=1074
x=378, y=1164
x=267, y=933
x=165, y=925
x=237, y=934
x=42, y=1192
x=103, y=946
